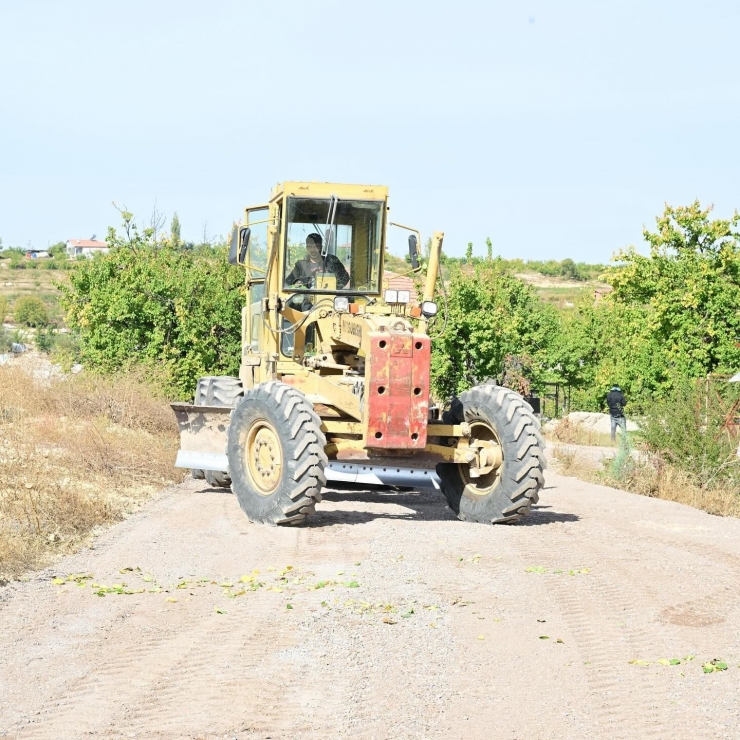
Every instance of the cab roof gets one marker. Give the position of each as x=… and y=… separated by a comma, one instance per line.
x=327, y=189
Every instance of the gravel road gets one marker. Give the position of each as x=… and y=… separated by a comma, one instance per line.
x=394, y=620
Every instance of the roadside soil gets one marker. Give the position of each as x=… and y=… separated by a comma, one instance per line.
x=394, y=621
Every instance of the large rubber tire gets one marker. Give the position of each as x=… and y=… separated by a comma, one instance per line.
x=506, y=495
x=217, y=390
x=276, y=454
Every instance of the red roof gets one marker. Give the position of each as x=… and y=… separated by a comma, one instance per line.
x=88, y=243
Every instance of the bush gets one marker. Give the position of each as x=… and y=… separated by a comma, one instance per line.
x=691, y=429
x=145, y=302
x=30, y=311
x=3, y=308
x=45, y=339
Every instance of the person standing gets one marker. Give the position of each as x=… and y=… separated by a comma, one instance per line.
x=616, y=402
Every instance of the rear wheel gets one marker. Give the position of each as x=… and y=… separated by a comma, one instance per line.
x=505, y=493
x=217, y=390
x=276, y=454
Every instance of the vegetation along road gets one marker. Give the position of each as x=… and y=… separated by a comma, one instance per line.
x=603, y=615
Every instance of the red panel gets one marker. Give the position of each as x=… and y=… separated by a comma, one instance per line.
x=397, y=390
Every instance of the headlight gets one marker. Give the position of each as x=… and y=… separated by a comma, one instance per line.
x=397, y=296
x=341, y=304
x=429, y=309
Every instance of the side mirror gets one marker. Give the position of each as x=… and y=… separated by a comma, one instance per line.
x=239, y=245
x=413, y=254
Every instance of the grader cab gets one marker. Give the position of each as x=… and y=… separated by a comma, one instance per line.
x=334, y=383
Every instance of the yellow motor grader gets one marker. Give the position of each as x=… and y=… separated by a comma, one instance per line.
x=334, y=383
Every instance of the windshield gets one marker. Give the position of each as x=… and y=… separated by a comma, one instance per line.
x=333, y=246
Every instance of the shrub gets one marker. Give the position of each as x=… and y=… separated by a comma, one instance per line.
x=30, y=311
x=3, y=308
x=147, y=303
x=691, y=429
x=45, y=339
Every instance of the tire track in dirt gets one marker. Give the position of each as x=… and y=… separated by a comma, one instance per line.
x=629, y=700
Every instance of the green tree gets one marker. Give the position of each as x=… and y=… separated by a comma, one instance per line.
x=175, y=231
x=469, y=253
x=30, y=311
x=489, y=248
x=58, y=251
x=148, y=303
x=490, y=314
x=689, y=286
x=569, y=269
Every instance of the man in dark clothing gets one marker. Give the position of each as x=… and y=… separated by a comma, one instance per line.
x=306, y=270
x=616, y=402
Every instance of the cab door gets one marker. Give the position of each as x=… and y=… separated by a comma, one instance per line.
x=257, y=218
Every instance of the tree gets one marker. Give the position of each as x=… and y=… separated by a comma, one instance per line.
x=58, y=250
x=30, y=311
x=469, y=253
x=689, y=287
x=147, y=303
x=175, y=231
x=490, y=314
x=489, y=247
x=569, y=269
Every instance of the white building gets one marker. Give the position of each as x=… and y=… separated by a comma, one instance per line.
x=86, y=247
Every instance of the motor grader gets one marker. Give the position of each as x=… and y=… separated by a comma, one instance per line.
x=334, y=383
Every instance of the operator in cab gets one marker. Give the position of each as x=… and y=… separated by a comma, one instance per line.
x=306, y=270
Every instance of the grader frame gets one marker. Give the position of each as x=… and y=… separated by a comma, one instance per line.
x=334, y=381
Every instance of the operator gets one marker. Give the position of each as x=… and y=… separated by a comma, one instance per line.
x=616, y=402
x=306, y=270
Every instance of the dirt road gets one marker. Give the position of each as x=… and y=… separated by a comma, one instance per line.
x=394, y=621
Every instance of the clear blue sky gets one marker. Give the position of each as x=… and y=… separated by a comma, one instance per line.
x=558, y=128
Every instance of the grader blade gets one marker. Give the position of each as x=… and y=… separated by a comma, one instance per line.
x=203, y=431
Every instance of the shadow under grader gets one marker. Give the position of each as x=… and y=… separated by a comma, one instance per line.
x=421, y=505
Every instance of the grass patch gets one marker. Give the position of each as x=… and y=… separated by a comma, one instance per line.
x=74, y=455
x=569, y=433
x=649, y=475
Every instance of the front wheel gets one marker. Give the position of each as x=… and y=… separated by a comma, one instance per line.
x=276, y=454
x=505, y=493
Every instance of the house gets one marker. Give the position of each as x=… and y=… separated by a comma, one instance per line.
x=394, y=281
x=86, y=247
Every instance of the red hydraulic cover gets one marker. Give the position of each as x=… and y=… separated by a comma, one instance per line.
x=397, y=390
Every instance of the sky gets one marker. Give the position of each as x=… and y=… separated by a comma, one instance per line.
x=558, y=128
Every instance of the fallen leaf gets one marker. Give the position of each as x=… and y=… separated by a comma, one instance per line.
x=560, y=641
x=59, y=581
x=289, y=606
x=388, y=620
x=542, y=621
x=544, y=637
x=535, y=569
x=171, y=600
x=664, y=661
x=639, y=662
x=481, y=637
